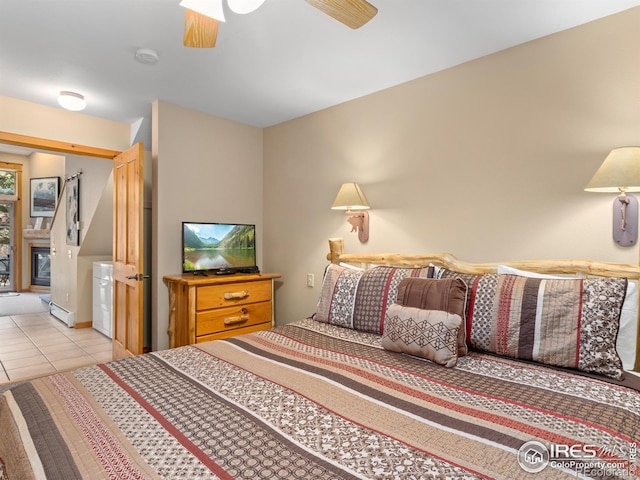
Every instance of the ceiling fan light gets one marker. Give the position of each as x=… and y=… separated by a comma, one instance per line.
x=244, y=6
x=208, y=8
x=72, y=101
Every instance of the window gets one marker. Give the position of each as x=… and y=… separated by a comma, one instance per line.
x=8, y=184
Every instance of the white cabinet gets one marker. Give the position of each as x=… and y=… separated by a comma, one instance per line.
x=103, y=297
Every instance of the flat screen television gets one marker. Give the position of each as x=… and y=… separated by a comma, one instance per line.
x=218, y=247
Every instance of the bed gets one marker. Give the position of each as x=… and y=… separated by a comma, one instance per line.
x=355, y=391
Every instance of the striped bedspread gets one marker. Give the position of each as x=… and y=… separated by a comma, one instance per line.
x=314, y=401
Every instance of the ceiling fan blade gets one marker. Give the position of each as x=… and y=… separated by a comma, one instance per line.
x=353, y=13
x=199, y=31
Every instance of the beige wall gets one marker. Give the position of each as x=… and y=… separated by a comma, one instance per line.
x=32, y=119
x=39, y=164
x=487, y=160
x=205, y=169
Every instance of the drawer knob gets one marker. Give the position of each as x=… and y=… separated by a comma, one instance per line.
x=234, y=295
x=237, y=319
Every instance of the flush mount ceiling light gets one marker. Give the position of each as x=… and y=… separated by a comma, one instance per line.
x=72, y=101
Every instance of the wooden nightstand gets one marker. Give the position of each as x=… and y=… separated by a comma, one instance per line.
x=218, y=306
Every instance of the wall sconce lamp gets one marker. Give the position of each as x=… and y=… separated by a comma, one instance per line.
x=620, y=173
x=350, y=197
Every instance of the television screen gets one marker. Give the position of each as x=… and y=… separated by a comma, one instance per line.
x=222, y=247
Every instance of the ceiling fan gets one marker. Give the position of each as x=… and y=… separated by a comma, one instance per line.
x=203, y=16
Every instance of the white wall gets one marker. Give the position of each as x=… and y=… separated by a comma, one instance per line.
x=205, y=169
x=487, y=160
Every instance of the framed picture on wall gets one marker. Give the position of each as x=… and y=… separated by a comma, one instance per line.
x=44, y=196
x=73, y=210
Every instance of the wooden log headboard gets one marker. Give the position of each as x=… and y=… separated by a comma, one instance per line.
x=557, y=267
x=447, y=260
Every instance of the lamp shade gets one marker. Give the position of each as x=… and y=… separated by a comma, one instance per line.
x=350, y=197
x=244, y=6
x=208, y=8
x=620, y=172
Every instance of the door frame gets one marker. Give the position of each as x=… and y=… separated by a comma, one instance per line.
x=15, y=252
x=56, y=146
x=15, y=276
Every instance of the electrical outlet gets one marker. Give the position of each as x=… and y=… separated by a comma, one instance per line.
x=310, y=280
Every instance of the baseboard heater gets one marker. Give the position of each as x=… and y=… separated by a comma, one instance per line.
x=62, y=314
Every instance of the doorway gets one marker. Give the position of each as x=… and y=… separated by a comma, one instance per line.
x=134, y=306
x=7, y=260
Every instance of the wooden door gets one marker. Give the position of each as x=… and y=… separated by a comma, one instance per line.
x=128, y=182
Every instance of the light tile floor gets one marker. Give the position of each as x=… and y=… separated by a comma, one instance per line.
x=38, y=343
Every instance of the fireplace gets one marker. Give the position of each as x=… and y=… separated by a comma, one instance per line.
x=41, y=266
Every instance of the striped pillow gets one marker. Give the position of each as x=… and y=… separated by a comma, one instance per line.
x=563, y=322
x=338, y=296
x=359, y=299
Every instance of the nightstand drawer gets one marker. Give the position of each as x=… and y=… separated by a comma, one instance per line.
x=230, y=318
x=234, y=333
x=215, y=296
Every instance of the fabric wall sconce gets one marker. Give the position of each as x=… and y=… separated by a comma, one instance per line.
x=620, y=173
x=349, y=198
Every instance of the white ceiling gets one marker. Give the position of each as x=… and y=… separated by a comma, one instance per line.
x=283, y=61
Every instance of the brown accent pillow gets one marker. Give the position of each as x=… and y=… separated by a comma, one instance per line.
x=449, y=295
x=430, y=334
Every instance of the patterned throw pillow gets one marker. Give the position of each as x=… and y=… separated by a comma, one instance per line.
x=563, y=322
x=628, y=331
x=429, y=294
x=359, y=299
x=430, y=334
x=338, y=295
x=468, y=278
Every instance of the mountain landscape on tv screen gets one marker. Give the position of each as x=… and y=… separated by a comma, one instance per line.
x=240, y=236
